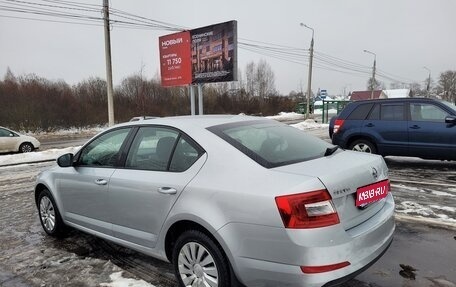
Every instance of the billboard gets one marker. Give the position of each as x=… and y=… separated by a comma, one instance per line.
x=214, y=53
x=175, y=59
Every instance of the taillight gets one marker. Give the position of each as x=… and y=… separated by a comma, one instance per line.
x=307, y=210
x=338, y=125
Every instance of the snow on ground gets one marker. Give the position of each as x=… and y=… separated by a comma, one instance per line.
x=282, y=116
x=50, y=154
x=432, y=211
x=70, y=132
x=309, y=124
x=320, y=111
x=119, y=281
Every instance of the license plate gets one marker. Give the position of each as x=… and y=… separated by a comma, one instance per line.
x=371, y=193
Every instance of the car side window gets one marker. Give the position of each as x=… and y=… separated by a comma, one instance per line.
x=104, y=151
x=4, y=133
x=427, y=112
x=360, y=112
x=392, y=112
x=184, y=155
x=375, y=113
x=152, y=148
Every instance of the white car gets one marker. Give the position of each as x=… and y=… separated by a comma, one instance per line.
x=11, y=141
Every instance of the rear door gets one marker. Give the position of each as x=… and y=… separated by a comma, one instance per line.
x=429, y=135
x=160, y=163
x=387, y=124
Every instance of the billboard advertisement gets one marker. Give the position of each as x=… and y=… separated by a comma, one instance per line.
x=214, y=53
x=175, y=59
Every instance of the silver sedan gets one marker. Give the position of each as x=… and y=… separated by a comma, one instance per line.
x=229, y=200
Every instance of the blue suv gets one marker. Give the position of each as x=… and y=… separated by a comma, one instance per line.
x=418, y=127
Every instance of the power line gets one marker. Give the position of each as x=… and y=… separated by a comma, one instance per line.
x=54, y=6
x=49, y=20
x=123, y=19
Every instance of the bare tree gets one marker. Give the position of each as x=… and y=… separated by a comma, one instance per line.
x=447, y=86
x=375, y=86
x=250, y=79
x=265, y=80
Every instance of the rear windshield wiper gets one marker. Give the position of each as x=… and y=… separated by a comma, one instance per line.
x=331, y=150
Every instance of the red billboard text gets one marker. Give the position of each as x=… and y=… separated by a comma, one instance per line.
x=175, y=59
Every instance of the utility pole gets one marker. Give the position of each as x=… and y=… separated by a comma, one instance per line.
x=373, y=78
x=108, y=62
x=373, y=72
x=309, y=79
x=428, y=83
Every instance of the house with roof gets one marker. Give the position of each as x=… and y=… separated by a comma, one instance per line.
x=396, y=93
x=364, y=95
x=380, y=94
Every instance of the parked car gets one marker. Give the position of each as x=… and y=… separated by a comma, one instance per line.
x=226, y=199
x=140, y=118
x=418, y=127
x=11, y=141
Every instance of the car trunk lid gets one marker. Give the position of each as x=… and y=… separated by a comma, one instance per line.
x=343, y=173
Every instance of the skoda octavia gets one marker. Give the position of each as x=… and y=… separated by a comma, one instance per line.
x=229, y=200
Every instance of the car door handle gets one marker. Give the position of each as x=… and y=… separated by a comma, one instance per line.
x=101, y=181
x=415, y=127
x=167, y=190
x=369, y=125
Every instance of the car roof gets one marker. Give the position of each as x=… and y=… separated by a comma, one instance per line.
x=202, y=121
x=7, y=129
x=396, y=100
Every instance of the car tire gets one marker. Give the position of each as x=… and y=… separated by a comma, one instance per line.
x=26, y=147
x=197, y=259
x=49, y=214
x=363, y=145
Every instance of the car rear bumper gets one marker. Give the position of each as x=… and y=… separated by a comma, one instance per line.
x=269, y=256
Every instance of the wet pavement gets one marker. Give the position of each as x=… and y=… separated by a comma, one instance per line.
x=420, y=255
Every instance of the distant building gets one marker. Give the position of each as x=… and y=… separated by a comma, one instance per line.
x=382, y=94
x=396, y=93
x=364, y=95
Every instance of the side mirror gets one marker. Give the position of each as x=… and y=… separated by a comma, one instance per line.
x=450, y=120
x=65, y=160
x=11, y=135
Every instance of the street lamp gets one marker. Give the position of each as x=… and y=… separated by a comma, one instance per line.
x=429, y=81
x=373, y=72
x=309, y=79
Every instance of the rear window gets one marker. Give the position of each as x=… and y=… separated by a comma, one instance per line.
x=271, y=144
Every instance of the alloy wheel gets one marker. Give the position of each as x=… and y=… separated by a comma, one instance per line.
x=47, y=213
x=362, y=148
x=197, y=267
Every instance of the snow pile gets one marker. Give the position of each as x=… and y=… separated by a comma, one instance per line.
x=320, y=111
x=282, y=116
x=310, y=124
x=71, y=132
x=432, y=211
x=119, y=281
x=46, y=155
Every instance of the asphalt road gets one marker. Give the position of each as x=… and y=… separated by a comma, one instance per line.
x=30, y=258
x=62, y=143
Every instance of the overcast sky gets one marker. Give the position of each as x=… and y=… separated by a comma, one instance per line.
x=404, y=34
